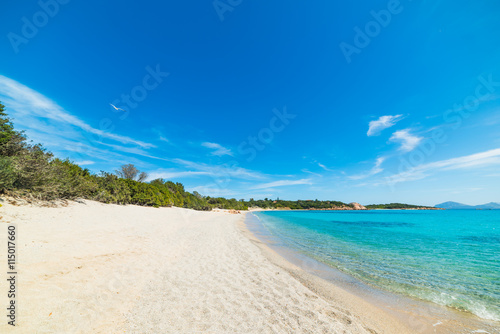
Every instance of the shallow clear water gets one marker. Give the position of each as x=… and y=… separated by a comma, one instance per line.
x=450, y=257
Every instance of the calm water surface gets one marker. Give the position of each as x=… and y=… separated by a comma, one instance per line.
x=450, y=257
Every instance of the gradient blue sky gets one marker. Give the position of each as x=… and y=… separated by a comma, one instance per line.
x=411, y=114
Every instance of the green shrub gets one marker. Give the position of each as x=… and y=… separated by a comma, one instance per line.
x=7, y=174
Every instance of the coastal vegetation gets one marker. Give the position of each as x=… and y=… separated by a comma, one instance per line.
x=398, y=206
x=298, y=205
x=29, y=170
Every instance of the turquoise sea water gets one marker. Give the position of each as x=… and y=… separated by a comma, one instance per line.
x=449, y=257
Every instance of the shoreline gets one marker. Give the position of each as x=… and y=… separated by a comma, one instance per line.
x=413, y=315
x=90, y=267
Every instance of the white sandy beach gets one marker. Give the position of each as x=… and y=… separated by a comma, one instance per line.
x=95, y=268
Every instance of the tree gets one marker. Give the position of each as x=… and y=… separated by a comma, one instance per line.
x=11, y=141
x=143, y=176
x=129, y=172
x=6, y=127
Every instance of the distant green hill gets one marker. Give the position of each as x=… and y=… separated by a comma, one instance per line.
x=489, y=206
x=460, y=206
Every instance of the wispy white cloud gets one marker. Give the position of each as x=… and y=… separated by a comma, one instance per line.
x=375, y=170
x=304, y=170
x=135, y=150
x=214, y=191
x=482, y=159
x=84, y=163
x=26, y=104
x=384, y=122
x=161, y=136
x=325, y=168
x=282, y=183
x=219, y=150
x=222, y=172
x=407, y=140
x=78, y=148
x=171, y=173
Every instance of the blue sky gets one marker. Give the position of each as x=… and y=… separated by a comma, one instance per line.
x=369, y=101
